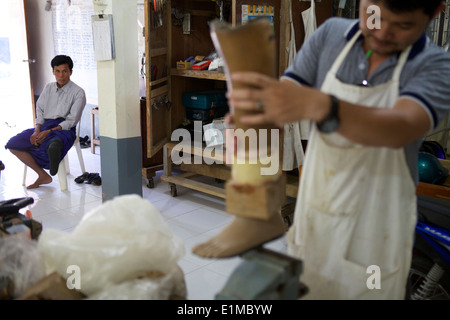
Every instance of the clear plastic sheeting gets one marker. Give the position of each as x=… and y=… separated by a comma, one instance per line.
x=114, y=243
x=169, y=286
x=19, y=262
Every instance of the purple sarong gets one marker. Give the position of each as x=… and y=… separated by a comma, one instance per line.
x=22, y=142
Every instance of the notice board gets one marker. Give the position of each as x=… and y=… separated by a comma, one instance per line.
x=103, y=36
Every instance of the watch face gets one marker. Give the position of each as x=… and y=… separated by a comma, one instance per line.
x=329, y=125
x=331, y=122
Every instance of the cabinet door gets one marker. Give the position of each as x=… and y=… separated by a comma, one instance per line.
x=157, y=69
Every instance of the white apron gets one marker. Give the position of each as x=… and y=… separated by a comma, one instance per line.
x=356, y=206
x=294, y=132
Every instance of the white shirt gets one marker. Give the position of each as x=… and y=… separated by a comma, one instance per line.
x=67, y=102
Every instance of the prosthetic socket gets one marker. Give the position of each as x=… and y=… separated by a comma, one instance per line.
x=255, y=192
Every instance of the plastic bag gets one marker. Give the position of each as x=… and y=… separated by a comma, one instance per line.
x=155, y=288
x=113, y=243
x=20, y=262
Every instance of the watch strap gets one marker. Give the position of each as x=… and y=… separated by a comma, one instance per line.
x=331, y=122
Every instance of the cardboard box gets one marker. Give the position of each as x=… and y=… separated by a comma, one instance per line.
x=201, y=65
x=183, y=65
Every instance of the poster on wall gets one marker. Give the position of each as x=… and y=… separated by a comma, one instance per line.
x=252, y=11
x=72, y=36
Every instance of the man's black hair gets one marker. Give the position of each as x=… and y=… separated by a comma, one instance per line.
x=60, y=60
x=428, y=6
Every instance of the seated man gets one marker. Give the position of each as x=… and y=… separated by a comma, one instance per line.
x=58, y=111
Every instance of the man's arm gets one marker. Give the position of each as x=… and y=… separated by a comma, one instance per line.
x=40, y=104
x=393, y=127
x=285, y=101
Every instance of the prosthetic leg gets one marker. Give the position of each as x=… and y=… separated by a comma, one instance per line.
x=254, y=197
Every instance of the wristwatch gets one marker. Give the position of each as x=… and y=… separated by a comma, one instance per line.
x=331, y=121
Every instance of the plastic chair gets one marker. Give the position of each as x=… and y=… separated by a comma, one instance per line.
x=63, y=168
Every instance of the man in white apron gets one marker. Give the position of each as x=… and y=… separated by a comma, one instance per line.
x=373, y=89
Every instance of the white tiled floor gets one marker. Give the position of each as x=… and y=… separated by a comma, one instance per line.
x=192, y=216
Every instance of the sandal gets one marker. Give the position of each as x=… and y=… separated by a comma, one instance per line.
x=97, y=181
x=82, y=178
x=85, y=142
x=93, y=177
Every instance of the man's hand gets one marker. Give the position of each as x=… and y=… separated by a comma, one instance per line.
x=33, y=138
x=42, y=135
x=38, y=137
x=278, y=101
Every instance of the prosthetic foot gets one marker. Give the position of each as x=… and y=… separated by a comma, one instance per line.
x=54, y=155
x=241, y=235
x=254, y=193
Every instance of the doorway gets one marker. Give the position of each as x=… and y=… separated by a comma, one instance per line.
x=16, y=93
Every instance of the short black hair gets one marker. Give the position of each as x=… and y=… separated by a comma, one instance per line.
x=60, y=60
x=428, y=6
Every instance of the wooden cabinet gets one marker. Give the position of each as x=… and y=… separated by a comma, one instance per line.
x=168, y=41
x=150, y=165
x=173, y=33
x=158, y=113
x=176, y=32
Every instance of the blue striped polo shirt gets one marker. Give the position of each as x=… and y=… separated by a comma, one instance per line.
x=424, y=78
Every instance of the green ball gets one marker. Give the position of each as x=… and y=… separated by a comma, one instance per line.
x=430, y=169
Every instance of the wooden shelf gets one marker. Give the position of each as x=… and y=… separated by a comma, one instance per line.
x=205, y=13
x=203, y=74
x=186, y=180
x=159, y=81
x=217, y=171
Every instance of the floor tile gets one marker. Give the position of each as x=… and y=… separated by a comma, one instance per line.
x=203, y=284
x=200, y=220
x=60, y=220
x=174, y=207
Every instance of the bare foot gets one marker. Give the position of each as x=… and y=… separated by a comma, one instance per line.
x=44, y=179
x=240, y=235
